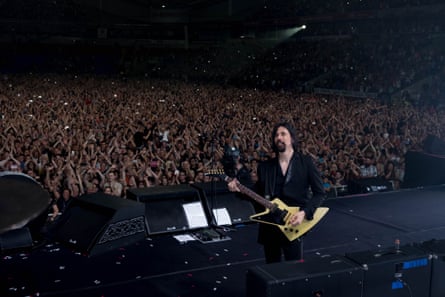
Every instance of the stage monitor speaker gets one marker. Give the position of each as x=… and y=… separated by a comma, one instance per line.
x=97, y=223
x=423, y=170
x=330, y=276
x=369, y=185
x=437, y=249
x=395, y=272
x=171, y=208
x=434, y=145
x=225, y=207
x=16, y=239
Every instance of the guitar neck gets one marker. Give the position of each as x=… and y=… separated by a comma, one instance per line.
x=251, y=194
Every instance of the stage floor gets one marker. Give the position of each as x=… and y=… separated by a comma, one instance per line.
x=163, y=266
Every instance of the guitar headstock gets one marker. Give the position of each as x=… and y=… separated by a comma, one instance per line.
x=218, y=172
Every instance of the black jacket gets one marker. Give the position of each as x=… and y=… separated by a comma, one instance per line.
x=303, y=187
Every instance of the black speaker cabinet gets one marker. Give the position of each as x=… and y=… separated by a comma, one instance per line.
x=219, y=201
x=368, y=185
x=434, y=145
x=423, y=170
x=16, y=239
x=96, y=223
x=330, y=276
x=395, y=272
x=165, y=208
x=437, y=250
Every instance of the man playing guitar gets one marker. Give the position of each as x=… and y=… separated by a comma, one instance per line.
x=288, y=176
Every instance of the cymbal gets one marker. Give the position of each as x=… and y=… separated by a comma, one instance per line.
x=21, y=200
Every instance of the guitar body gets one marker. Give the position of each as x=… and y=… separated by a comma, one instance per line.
x=279, y=217
x=277, y=213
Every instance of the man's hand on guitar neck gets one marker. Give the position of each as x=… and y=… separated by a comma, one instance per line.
x=233, y=185
x=297, y=218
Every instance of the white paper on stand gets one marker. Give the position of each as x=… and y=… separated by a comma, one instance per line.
x=196, y=217
x=222, y=216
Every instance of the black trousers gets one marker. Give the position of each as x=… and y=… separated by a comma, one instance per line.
x=292, y=250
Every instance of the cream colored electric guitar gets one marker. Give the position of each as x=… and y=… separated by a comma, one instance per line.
x=276, y=212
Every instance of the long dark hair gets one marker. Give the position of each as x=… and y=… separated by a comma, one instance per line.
x=292, y=132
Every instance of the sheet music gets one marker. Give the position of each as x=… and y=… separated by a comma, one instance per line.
x=195, y=215
x=222, y=216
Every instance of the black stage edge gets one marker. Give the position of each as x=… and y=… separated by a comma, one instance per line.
x=160, y=265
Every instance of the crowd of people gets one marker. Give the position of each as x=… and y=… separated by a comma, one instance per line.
x=383, y=64
x=285, y=8
x=141, y=117
x=83, y=134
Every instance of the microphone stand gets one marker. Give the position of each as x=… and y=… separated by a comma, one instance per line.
x=214, y=221
x=214, y=232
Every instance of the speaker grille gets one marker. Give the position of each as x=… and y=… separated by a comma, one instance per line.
x=122, y=229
